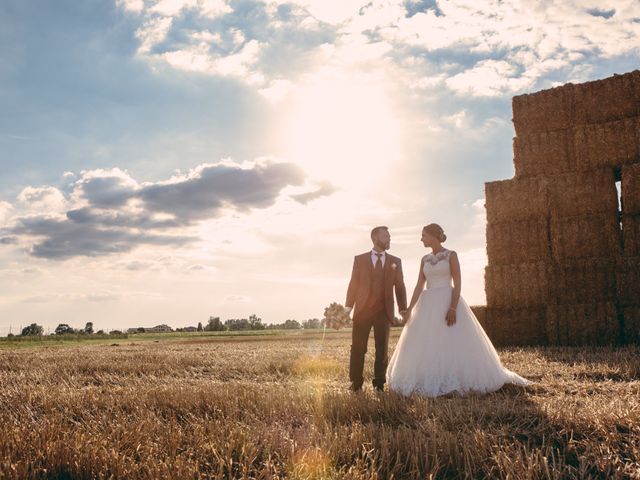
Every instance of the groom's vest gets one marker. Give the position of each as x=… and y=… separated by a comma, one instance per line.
x=375, y=302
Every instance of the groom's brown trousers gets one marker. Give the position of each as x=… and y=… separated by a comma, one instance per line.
x=359, y=339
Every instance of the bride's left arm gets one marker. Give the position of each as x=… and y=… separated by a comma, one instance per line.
x=455, y=294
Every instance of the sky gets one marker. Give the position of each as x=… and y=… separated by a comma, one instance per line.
x=163, y=161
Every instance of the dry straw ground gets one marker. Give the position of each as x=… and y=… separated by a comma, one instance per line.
x=276, y=407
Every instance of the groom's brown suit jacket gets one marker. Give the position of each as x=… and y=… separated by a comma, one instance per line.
x=360, y=285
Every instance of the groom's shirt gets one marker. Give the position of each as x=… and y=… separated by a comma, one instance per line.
x=374, y=257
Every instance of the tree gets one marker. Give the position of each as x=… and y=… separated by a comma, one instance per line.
x=255, y=322
x=292, y=325
x=200, y=327
x=311, y=323
x=215, y=325
x=32, y=330
x=64, y=329
x=235, y=324
x=88, y=328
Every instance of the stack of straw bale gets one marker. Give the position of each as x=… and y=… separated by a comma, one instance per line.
x=563, y=259
x=569, y=106
x=628, y=268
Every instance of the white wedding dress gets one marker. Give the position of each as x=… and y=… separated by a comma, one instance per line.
x=432, y=358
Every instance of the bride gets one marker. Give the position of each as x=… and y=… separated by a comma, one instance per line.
x=443, y=348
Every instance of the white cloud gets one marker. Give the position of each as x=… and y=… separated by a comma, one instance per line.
x=488, y=78
x=135, y=6
x=208, y=8
x=198, y=58
x=42, y=199
x=153, y=31
x=5, y=211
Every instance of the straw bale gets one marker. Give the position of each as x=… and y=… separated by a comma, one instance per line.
x=581, y=194
x=516, y=199
x=543, y=153
x=583, y=324
x=518, y=242
x=631, y=327
x=480, y=311
x=628, y=281
x=631, y=189
x=585, y=236
x=600, y=101
x=522, y=285
x=608, y=144
x=609, y=99
x=583, y=281
x=631, y=234
x=545, y=110
x=516, y=326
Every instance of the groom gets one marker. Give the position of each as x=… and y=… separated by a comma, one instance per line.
x=375, y=275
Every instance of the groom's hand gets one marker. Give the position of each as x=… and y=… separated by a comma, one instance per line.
x=405, y=316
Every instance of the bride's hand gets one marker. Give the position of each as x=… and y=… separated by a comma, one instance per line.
x=406, y=315
x=451, y=317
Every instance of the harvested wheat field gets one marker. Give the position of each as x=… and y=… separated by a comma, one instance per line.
x=278, y=407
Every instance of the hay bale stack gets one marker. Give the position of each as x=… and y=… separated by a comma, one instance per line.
x=578, y=149
x=522, y=285
x=607, y=145
x=516, y=199
x=543, y=111
x=631, y=189
x=556, y=239
x=585, y=236
x=631, y=235
x=631, y=331
x=628, y=281
x=543, y=153
x=516, y=242
x=516, y=326
x=575, y=194
x=583, y=324
x=480, y=311
x=583, y=281
x=600, y=101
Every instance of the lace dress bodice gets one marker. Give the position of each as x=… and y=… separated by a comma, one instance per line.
x=437, y=270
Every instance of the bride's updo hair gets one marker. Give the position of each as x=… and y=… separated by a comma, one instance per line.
x=435, y=231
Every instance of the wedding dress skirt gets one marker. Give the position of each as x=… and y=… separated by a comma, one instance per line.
x=432, y=358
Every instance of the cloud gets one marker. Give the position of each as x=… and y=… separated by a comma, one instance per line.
x=5, y=211
x=325, y=189
x=61, y=238
x=110, y=212
x=105, y=188
x=48, y=199
x=489, y=78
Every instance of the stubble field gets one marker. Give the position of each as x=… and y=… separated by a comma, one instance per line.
x=278, y=407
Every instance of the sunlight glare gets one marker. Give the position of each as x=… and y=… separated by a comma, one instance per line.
x=343, y=131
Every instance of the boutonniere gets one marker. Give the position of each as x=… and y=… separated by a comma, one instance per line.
x=393, y=266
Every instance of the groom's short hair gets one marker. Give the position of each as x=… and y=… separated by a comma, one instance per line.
x=375, y=231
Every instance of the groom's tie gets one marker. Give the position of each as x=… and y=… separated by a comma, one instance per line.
x=378, y=262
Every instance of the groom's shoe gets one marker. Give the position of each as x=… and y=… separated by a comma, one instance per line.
x=378, y=387
x=355, y=388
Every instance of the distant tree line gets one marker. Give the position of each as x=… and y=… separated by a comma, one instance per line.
x=255, y=323
x=35, y=330
x=215, y=324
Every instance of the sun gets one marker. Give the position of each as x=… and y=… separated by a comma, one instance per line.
x=342, y=130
